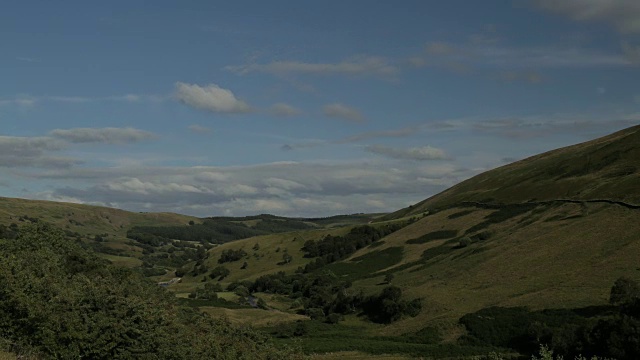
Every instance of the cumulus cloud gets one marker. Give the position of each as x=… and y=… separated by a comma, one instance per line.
x=102, y=135
x=623, y=14
x=282, y=109
x=424, y=153
x=32, y=152
x=341, y=111
x=362, y=66
x=211, y=98
x=286, y=188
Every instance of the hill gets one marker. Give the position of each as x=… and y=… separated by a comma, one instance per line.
x=604, y=168
x=553, y=231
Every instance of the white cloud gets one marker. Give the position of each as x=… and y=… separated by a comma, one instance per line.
x=341, y=111
x=102, y=135
x=20, y=101
x=135, y=185
x=296, y=189
x=211, y=97
x=282, y=109
x=464, y=57
x=33, y=152
x=416, y=153
x=32, y=100
x=623, y=14
x=362, y=66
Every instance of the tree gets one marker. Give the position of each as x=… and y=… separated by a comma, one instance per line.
x=286, y=258
x=219, y=272
x=624, y=291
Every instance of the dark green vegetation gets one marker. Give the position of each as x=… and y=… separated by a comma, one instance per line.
x=611, y=331
x=323, y=296
x=319, y=337
x=333, y=248
x=218, y=230
x=58, y=300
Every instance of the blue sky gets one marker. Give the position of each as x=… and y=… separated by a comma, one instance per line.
x=300, y=108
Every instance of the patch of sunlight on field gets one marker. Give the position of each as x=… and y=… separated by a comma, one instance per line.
x=254, y=317
x=124, y=261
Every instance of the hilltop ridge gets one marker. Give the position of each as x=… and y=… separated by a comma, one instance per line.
x=607, y=168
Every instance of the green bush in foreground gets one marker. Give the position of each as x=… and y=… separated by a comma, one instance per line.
x=59, y=301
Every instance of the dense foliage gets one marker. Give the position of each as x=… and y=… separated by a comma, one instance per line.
x=323, y=296
x=230, y=255
x=610, y=331
x=215, y=230
x=333, y=248
x=58, y=300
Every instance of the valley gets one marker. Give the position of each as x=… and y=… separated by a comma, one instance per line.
x=544, y=238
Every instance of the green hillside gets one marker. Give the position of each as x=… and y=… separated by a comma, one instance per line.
x=605, y=168
x=553, y=231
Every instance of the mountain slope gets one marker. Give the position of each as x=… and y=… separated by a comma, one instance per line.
x=604, y=168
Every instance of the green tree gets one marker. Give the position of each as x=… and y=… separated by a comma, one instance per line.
x=286, y=258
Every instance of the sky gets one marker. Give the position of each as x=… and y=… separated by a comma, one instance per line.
x=300, y=108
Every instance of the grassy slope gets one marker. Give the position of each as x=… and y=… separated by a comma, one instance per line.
x=89, y=220
x=271, y=249
x=543, y=264
x=604, y=168
x=561, y=255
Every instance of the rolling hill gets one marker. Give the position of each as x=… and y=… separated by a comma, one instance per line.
x=605, y=168
x=551, y=231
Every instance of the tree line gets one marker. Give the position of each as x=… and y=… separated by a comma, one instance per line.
x=611, y=331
